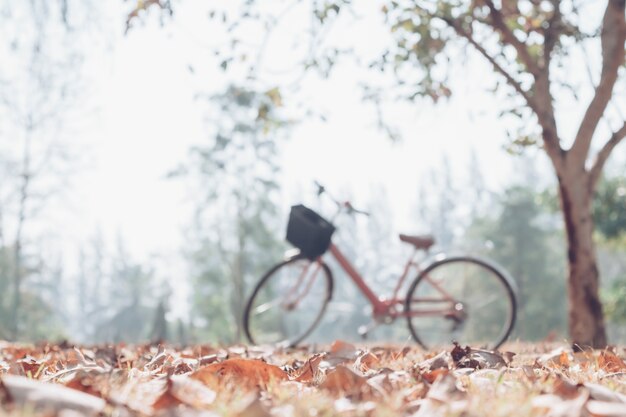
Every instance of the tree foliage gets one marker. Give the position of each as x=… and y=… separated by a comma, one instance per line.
x=609, y=207
x=236, y=217
x=526, y=243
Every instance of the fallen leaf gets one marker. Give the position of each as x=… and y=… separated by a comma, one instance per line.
x=84, y=382
x=556, y=358
x=341, y=347
x=366, y=361
x=341, y=352
x=31, y=366
x=606, y=409
x=381, y=383
x=476, y=358
x=432, y=376
x=342, y=380
x=487, y=359
x=184, y=390
x=529, y=372
x=207, y=360
x=308, y=371
x=459, y=353
x=248, y=373
x=442, y=360
x=552, y=405
x=167, y=399
x=443, y=398
x=50, y=396
x=445, y=389
x=610, y=362
x=565, y=389
x=602, y=393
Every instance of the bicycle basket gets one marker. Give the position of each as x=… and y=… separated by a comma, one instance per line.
x=308, y=231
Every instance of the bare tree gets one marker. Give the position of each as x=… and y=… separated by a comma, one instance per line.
x=41, y=79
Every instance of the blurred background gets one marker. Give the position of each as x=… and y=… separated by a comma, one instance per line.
x=150, y=152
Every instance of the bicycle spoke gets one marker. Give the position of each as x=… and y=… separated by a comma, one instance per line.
x=265, y=307
x=484, y=304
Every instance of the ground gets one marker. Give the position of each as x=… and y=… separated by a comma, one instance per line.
x=340, y=379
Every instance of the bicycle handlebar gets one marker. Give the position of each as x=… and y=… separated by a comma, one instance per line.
x=340, y=205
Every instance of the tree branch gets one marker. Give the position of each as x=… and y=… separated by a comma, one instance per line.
x=612, y=38
x=499, y=68
x=509, y=38
x=604, y=153
x=551, y=34
x=546, y=118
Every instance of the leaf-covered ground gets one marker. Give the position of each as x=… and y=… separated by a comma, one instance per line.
x=341, y=379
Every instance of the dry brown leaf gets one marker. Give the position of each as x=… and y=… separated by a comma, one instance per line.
x=487, y=359
x=442, y=360
x=529, y=372
x=366, y=361
x=445, y=389
x=557, y=358
x=84, y=382
x=381, y=383
x=207, y=360
x=476, y=358
x=308, y=371
x=459, y=352
x=184, y=390
x=341, y=352
x=339, y=346
x=342, y=380
x=167, y=399
x=31, y=366
x=248, y=373
x=432, y=376
x=565, y=389
x=610, y=362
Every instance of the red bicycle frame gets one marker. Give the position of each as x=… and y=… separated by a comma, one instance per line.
x=387, y=307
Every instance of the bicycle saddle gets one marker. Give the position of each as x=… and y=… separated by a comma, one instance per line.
x=420, y=242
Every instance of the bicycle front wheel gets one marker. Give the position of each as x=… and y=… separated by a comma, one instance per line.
x=288, y=302
x=461, y=299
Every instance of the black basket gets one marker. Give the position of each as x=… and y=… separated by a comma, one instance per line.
x=308, y=231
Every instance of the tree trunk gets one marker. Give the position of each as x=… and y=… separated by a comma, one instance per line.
x=21, y=220
x=586, y=320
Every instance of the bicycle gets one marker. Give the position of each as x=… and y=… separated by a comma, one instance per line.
x=463, y=299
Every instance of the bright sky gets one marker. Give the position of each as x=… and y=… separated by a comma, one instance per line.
x=147, y=118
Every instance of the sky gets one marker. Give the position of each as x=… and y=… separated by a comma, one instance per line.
x=143, y=115
x=148, y=117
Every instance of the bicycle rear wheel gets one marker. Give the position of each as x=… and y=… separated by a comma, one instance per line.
x=288, y=302
x=461, y=299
